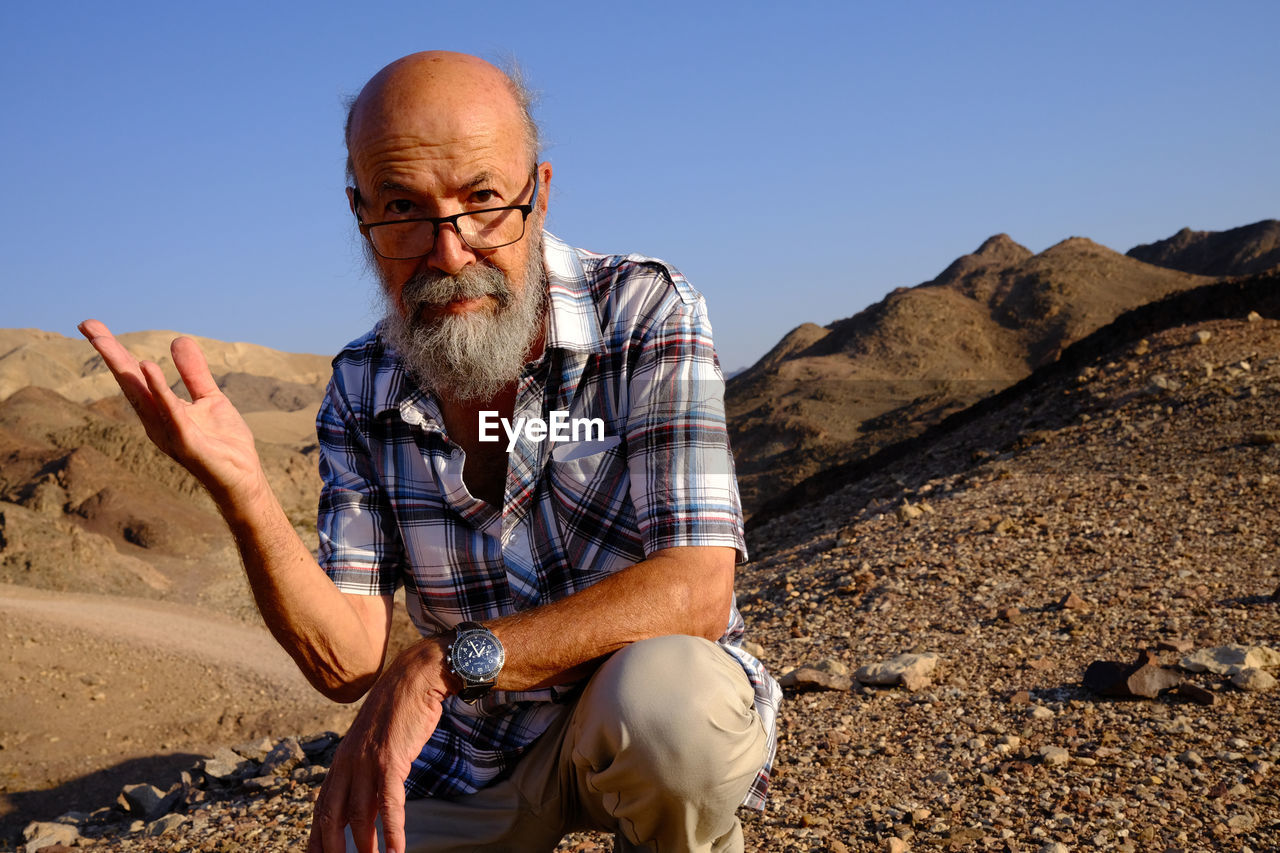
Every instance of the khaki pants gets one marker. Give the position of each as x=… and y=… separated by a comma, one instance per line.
x=660, y=749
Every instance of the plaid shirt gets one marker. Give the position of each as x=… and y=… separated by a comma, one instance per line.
x=628, y=343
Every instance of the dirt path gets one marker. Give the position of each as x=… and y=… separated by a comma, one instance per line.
x=170, y=628
x=98, y=690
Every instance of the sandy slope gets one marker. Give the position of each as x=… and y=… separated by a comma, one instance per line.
x=90, y=682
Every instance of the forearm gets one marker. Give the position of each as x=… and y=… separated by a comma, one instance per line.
x=678, y=591
x=338, y=651
x=337, y=644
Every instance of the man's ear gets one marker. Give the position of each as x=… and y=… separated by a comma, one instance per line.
x=544, y=179
x=351, y=201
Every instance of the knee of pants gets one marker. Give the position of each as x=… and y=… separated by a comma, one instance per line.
x=678, y=706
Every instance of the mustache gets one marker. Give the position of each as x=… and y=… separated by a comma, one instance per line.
x=434, y=288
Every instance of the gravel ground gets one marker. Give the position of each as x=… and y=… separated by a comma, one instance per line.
x=1134, y=506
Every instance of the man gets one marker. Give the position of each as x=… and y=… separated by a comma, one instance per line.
x=574, y=587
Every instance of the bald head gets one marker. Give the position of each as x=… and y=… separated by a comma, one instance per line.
x=436, y=92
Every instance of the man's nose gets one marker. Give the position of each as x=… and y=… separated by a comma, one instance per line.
x=449, y=254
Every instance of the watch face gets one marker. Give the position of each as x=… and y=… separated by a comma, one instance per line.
x=477, y=656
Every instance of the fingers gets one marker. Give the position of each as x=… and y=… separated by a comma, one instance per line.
x=167, y=405
x=193, y=367
x=392, y=813
x=123, y=366
x=362, y=813
x=330, y=820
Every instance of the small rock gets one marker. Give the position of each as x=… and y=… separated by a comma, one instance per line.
x=1071, y=601
x=1191, y=758
x=316, y=745
x=1054, y=756
x=310, y=775
x=832, y=666
x=964, y=836
x=165, y=824
x=749, y=646
x=1151, y=679
x=1253, y=679
x=942, y=777
x=912, y=671
x=1242, y=822
x=1175, y=644
x=40, y=834
x=1263, y=438
x=908, y=512
x=1040, y=712
x=1254, y=317
x=283, y=757
x=147, y=801
x=805, y=678
x=262, y=783
x=1144, y=678
x=1058, y=846
x=1229, y=659
x=1196, y=693
x=225, y=765
x=896, y=845
x=1009, y=614
x=1203, y=337
x=255, y=750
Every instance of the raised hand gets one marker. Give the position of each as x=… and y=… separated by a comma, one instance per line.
x=207, y=436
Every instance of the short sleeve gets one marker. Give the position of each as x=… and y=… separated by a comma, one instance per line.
x=360, y=546
x=682, y=478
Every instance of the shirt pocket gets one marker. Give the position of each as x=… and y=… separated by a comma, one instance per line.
x=589, y=490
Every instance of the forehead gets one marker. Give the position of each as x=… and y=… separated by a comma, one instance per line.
x=405, y=137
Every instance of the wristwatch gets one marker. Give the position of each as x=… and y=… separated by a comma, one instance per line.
x=476, y=656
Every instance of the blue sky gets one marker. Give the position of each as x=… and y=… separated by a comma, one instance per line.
x=179, y=165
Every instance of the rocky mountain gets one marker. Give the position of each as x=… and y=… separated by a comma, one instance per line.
x=1247, y=250
x=826, y=395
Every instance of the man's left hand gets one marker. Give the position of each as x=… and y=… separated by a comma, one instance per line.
x=366, y=780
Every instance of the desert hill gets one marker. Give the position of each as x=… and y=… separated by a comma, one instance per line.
x=1122, y=498
x=87, y=504
x=1246, y=250
x=70, y=367
x=827, y=395
x=1219, y=300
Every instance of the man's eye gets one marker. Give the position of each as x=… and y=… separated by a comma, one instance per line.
x=400, y=207
x=483, y=196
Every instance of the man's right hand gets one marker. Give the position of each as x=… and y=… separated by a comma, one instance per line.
x=207, y=436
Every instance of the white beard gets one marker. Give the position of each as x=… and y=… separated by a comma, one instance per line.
x=471, y=356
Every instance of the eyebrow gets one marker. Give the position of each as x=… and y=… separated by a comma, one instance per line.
x=481, y=179
x=395, y=186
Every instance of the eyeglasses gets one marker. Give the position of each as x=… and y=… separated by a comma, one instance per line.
x=492, y=228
